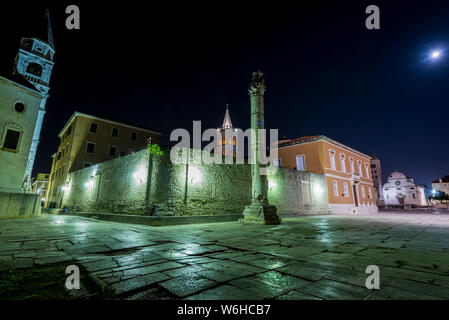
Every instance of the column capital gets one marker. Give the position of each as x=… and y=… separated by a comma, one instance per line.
x=257, y=86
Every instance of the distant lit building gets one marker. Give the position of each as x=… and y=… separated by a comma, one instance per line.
x=86, y=140
x=376, y=173
x=40, y=185
x=348, y=175
x=401, y=190
x=441, y=185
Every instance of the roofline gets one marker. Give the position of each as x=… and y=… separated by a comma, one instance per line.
x=76, y=114
x=324, y=138
x=36, y=92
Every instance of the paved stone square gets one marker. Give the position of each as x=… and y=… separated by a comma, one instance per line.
x=315, y=257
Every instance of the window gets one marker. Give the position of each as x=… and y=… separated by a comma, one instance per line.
x=359, y=167
x=363, y=191
x=300, y=163
x=343, y=163
x=86, y=164
x=351, y=164
x=346, y=191
x=133, y=136
x=34, y=69
x=69, y=130
x=373, y=165
x=112, y=151
x=335, y=183
x=19, y=107
x=370, y=194
x=413, y=196
x=12, y=139
x=93, y=128
x=115, y=132
x=277, y=162
x=90, y=147
x=366, y=170
x=122, y=153
x=332, y=158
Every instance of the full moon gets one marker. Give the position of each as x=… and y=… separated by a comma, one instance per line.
x=436, y=54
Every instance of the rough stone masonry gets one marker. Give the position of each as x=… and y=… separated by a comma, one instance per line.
x=152, y=185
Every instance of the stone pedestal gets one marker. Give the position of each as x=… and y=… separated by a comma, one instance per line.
x=260, y=213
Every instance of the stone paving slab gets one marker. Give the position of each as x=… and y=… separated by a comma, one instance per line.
x=321, y=257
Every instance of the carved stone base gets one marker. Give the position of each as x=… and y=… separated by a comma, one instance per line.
x=259, y=213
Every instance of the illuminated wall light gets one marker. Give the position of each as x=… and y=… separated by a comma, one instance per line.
x=195, y=175
x=90, y=184
x=317, y=190
x=65, y=188
x=140, y=175
x=272, y=184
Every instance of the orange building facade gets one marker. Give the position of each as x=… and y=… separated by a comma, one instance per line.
x=348, y=175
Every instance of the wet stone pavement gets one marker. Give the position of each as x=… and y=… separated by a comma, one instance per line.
x=321, y=257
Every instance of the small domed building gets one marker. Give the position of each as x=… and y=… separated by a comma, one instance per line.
x=401, y=190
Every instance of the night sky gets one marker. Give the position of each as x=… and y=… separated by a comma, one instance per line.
x=163, y=67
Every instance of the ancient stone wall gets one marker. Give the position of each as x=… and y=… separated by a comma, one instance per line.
x=144, y=185
x=19, y=205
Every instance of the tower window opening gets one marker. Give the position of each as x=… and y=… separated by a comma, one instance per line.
x=34, y=69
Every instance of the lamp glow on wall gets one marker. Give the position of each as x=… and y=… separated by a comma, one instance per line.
x=140, y=175
x=90, y=184
x=65, y=188
x=272, y=184
x=195, y=175
x=317, y=189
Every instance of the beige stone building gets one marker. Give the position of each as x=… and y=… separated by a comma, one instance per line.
x=441, y=185
x=86, y=140
x=40, y=185
x=376, y=173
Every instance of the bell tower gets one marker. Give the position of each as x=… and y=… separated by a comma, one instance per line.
x=34, y=62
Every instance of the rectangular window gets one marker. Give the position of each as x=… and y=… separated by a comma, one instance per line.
x=332, y=158
x=359, y=167
x=366, y=171
x=12, y=139
x=133, y=136
x=370, y=193
x=112, y=151
x=115, y=132
x=90, y=147
x=86, y=164
x=363, y=191
x=343, y=163
x=345, y=186
x=93, y=128
x=300, y=163
x=277, y=162
x=335, y=183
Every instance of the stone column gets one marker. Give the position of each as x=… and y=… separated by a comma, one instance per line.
x=259, y=211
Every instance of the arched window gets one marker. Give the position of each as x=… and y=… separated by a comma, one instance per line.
x=34, y=69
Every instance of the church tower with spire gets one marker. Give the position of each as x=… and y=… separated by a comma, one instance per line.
x=228, y=141
x=23, y=97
